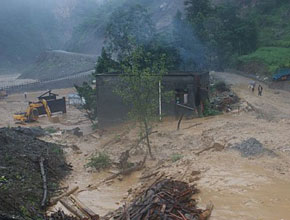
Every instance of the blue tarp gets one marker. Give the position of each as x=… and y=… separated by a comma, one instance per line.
x=281, y=73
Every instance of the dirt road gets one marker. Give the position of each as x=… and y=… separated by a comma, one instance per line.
x=240, y=188
x=273, y=105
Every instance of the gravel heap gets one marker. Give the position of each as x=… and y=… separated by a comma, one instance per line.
x=252, y=148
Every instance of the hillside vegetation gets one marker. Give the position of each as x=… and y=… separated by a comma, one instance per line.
x=273, y=52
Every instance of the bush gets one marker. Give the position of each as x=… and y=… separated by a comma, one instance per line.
x=221, y=86
x=99, y=161
x=209, y=110
x=273, y=58
x=176, y=157
x=50, y=130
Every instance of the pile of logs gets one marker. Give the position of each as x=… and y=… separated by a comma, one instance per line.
x=167, y=199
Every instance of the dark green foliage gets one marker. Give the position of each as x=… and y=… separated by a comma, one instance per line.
x=223, y=30
x=272, y=19
x=221, y=86
x=274, y=58
x=210, y=110
x=129, y=25
x=176, y=157
x=105, y=63
x=139, y=87
x=89, y=94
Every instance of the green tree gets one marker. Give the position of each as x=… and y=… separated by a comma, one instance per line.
x=139, y=87
x=129, y=26
x=197, y=11
x=225, y=33
x=105, y=63
x=90, y=96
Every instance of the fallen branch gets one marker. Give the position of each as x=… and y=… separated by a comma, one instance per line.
x=206, y=149
x=84, y=209
x=193, y=126
x=179, y=121
x=43, y=202
x=68, y=204
x=54, y=201
x=150, y=175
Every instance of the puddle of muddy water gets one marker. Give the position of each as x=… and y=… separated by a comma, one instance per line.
x=266, y=201
x=107, y=197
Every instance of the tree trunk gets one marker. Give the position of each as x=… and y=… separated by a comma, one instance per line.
x=147, y=139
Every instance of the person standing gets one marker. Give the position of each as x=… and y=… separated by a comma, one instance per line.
x=260, y=90
x=253, y=86
x=25, y=95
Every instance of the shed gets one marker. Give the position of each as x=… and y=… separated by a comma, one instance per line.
x=190, y=88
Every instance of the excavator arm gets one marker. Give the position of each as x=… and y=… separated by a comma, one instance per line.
x=32, y=113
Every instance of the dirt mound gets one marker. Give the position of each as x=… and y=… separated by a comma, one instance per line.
x=56, y=64
x=21, y=183
x=251, y=148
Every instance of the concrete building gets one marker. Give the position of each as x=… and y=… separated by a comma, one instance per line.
x=190, y=89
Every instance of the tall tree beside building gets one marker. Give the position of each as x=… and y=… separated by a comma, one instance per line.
x=139, y=88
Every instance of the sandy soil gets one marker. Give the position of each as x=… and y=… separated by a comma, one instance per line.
x=239, y=188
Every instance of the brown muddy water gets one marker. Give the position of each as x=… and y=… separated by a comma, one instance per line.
x=107, y=197
x=265, y=200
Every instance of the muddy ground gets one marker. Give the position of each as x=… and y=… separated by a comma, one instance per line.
x=239, y=187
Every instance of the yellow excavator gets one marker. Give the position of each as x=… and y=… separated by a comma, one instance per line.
x=32, y=113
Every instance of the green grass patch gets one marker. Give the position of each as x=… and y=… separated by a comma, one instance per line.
x=176, y=157
x=99, y=161
x=273, y=58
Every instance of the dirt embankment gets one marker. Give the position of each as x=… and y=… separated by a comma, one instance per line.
x=22, y=191
x=56, y=64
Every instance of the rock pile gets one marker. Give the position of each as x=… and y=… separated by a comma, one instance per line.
x=252, y=148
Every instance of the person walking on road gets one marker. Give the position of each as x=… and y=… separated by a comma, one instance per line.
x=253, y=86
x=260, y=90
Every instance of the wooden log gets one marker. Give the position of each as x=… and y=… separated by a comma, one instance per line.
x=43, y=202
x=54, y=201
x=72, y=208
x=84, y=208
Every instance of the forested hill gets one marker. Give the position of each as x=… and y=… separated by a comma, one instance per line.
x=91, y=31
x=250, y=35
x=273, y=46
